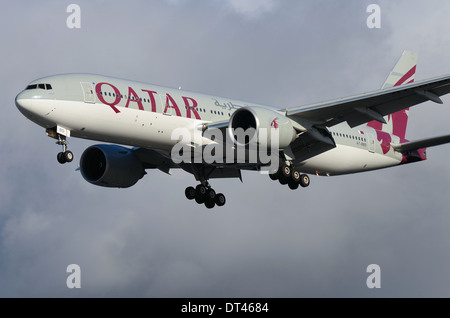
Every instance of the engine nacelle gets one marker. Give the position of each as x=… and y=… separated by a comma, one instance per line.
x=111, y=166
x=260, y=125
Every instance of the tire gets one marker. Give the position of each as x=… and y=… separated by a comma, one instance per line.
x=286, y=171
x=283, y=180
x=296, y=176
x=68, y=155
x=210, y=203
x=210, y=194
x=190, y=193
x=274, y=176
x=61, y=158
x=293, y=184
x=220, y=199
x=199, y=198
x=201, y=189
x=304, y=180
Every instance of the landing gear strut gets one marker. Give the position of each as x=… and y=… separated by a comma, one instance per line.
x=204, y=194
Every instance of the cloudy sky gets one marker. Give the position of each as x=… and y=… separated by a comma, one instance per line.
x=267, y=241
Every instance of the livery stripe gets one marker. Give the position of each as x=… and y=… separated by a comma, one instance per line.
x=408, y=74
x=400, y=118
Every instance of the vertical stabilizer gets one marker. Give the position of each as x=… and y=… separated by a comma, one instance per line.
x=402, y=74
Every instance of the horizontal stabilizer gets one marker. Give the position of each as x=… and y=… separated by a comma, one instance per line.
x=424, y=143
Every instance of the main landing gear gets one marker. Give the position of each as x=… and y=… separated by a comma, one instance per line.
x=204, y=194
x=65, y=155
x=287, y=174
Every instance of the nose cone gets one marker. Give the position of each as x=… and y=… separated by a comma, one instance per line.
x=24, y=102
x=28, y=104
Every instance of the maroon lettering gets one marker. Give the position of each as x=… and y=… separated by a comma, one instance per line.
x=169, y=100
x=98, y=90
x=192, y=107
x=152, y=98
x=135, y=99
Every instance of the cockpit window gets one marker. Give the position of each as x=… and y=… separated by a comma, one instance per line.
x=40, y=86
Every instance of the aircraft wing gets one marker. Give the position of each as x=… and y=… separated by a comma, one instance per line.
x=360, y=109
x=153, y=159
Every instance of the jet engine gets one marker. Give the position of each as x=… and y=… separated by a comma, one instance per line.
x=111, y=166
x=261, y=125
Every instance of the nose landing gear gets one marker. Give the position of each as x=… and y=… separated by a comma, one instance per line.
x=65, y=155
x=61, y=134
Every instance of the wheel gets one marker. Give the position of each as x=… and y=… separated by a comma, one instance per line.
x=210, y=203
x=286, y=171
x=295, y=176
x=274, y=176
x=200, y=199
x=190, y=193
x=283, y=180
x=293, y=184
x=210, y=194
x=68, y=155
x=220, y=199
x=201, y=189
x=61, y=158
x=304, y=180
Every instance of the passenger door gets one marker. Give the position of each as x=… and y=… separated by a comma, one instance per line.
x=88, y=92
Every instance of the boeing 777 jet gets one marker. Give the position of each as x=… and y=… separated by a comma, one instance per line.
x=153, y=127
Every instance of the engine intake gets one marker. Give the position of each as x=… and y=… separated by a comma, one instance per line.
x=261, y=125
x=111, y=166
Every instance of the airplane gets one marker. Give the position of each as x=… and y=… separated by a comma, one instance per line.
x=138, y=120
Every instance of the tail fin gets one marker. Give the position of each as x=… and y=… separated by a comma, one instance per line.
x=402, y=74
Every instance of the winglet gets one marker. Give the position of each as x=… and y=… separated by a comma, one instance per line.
x=403, y=72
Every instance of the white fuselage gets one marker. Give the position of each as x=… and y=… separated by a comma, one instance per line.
x=142, y=115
